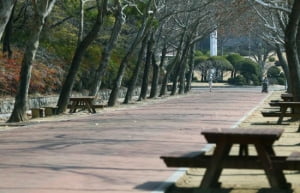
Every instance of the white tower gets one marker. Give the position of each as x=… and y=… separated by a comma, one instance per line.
x=213, y=43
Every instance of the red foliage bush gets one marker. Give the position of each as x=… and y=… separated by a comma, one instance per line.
x=44, y=79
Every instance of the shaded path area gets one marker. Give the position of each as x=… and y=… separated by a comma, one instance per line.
x=115, y=150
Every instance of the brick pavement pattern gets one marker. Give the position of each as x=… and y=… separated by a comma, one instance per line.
x=117, y=149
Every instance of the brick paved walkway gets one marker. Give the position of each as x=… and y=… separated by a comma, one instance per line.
x=115, y=150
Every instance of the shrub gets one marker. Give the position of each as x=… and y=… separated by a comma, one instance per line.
x=238, y=80
x=276, y=76
x=273, y=72
x=250, y=71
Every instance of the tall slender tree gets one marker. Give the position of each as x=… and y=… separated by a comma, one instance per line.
x=41, y=8
x=139, y=36
x=145, y=81
x=106, y=53
x=135, y=74
x=79, y=52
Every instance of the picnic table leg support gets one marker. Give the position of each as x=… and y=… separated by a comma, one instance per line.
x=243, y=151
x=73, y=106
x=283, y=112
x=274, y=174
x=90, y=107
x=215, y=167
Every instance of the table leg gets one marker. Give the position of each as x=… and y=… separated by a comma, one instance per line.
x=73, y=107
x=282, y=114
x=274, y=174
x=243, y=151
x=215, y=167
x=90, y=107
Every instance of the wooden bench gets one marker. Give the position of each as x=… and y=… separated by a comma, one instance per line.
x=262, y=139
x=200, y=160
x=185, y=159
x=37, y=112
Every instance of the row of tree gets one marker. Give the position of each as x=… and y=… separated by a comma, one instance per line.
x=147, y=30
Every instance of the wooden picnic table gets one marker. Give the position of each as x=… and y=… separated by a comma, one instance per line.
x=283, y=107
x=82, y=102
x=262, y=139
x=265, y=159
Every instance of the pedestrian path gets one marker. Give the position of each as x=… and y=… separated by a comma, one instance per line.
x=115, y=150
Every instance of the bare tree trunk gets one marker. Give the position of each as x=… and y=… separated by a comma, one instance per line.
x=118, y=81
x=174, y=80
x=7, y=34
x=42, y=10
x=284, y=66
x=145, y=82
x=179, y=74
x=136, y=71
x=191, y=69
x=291, y=49
x=100, y=72
x=76, y=61
x=81, y=22
x=6, y=7
x=171, y=67
x=182, y=73
x=155, y=78
x=162, y=60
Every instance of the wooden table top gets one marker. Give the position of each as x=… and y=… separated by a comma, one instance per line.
x=82, y=97
x=243, y=136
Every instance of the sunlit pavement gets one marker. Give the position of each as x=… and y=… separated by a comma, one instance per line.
x=117, y=150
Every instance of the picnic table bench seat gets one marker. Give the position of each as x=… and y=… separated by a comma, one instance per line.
x=278, y=113
x=185, y=159
x=200, y=160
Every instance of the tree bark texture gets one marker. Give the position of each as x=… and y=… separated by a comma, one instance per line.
x=42, y=10
x=6, y=7
x=179, y=73
x=191, y=69
x=141, y=33
x=171, y=66
x=284, y=66
x=135, y=74
x=7, y=34
x=145, y=82
x=106, y=53
x=76, y=61
x=182, y=72
x=292, y=50
x=155, y=78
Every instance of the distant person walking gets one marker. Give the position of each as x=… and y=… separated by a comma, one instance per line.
x=210, y=79
x=265, y=85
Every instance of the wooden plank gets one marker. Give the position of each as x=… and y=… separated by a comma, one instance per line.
x=243, y=136
x=278, y=114
x=230, y=162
